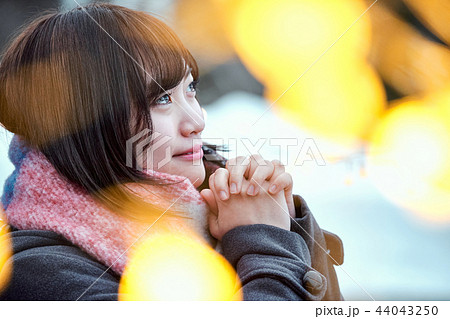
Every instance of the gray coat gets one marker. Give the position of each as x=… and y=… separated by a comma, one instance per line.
x=272, y=263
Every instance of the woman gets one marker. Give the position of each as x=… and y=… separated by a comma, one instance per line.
x=108, y=142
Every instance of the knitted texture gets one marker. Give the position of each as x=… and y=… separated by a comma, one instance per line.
x=37, y=197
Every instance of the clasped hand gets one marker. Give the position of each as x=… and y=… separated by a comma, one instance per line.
x=249, y=190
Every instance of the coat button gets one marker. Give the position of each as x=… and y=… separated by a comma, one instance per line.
x=313, y=282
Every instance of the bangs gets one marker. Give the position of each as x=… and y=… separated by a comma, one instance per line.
x=163, y=59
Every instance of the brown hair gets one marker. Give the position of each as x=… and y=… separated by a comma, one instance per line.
x=72, y=83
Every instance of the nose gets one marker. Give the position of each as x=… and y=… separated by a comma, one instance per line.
x=192, y=122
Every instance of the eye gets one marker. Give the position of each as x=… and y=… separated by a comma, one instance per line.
x=192, y=87
x=164, y=100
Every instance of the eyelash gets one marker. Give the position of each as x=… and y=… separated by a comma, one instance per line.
x=193, y=84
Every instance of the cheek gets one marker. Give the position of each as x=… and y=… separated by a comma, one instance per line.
x=164, y=129
x=163, y=124
x=164, y=133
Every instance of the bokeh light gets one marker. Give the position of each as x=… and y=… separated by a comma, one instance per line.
x=408, y=61
x=340, y=96
x=341, y=105
x=172, y=266
x=5, y=253
x=274, y=37
x=435, y=14
x=199, y=24
x=409, y=156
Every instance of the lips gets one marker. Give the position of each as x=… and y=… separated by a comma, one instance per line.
x=196, y=149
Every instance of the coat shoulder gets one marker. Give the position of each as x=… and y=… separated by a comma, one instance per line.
x=48, y=267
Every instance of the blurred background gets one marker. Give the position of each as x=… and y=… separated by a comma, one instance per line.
x=352, y=95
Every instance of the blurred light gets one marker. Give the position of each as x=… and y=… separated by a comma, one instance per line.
x=435, y=14
x=5, y=253
x=178, y=267
x=405, y=59
x=409, y=157
x=274, y=37
x=340, y=96
x=199, y=24
x=362, y=171
x=341, y=104
x=348, y=181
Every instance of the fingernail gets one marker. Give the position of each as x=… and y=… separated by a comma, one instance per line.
x=223, y=195
x=273, y=188
x=250, y=190
x=233, y=188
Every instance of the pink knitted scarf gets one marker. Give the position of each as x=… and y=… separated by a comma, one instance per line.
x=42, y=200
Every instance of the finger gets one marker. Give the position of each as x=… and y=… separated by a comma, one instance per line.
x=211, y=184
x=211, y=181
x=261, y=173
x=213, y=225
x=281, y=182
x=255, y=161
x=290, y=204
x=209, y=198
x=245, y=185
x=221, y=183
x=278, y=170
x=237, y=168
x=212, y=187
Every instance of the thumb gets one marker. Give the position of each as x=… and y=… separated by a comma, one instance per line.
x=213, y=226
x=290, y=202
x=208, y=196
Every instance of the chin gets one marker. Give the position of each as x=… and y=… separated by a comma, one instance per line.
x=198, y=176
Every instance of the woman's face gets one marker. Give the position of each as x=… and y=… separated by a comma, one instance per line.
x=177, y=125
